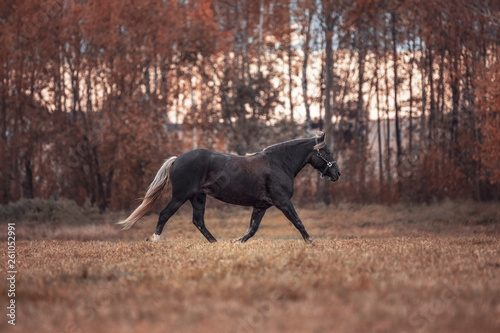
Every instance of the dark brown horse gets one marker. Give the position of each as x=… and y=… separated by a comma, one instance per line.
x=260, y=180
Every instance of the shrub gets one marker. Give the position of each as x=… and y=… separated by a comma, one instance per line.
x=36, y=211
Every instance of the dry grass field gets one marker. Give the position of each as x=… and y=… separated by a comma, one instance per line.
x=425, y=268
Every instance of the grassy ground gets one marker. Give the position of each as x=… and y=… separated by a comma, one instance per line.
x=370, y=269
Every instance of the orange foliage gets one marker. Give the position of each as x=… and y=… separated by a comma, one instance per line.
x=95, y=94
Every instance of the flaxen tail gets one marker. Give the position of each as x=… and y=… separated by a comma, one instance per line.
x=152, y=195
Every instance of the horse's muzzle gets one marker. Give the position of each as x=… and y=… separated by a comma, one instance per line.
x=335, y=177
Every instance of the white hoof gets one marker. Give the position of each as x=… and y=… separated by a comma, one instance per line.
x=154, y=238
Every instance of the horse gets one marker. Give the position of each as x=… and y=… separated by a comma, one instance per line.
x=259, y=180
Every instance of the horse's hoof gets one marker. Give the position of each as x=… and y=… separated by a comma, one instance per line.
x=153, y=238
x=238, y=240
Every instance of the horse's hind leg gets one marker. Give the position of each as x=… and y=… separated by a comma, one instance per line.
x=165, y=215
x=257, y=215
x=198, y=203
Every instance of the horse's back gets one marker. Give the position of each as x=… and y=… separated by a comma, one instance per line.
x=191, y=168
x=196, y=162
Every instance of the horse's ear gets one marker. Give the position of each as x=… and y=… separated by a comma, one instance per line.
x=321, y=137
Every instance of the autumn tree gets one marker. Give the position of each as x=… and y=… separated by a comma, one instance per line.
x=94, y=95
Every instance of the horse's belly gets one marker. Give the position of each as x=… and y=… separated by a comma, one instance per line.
x=237, y=193
x=237, y=180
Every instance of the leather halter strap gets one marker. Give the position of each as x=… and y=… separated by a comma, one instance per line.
x=329, y=164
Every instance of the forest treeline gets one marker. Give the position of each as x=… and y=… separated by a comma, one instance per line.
x=96, y=94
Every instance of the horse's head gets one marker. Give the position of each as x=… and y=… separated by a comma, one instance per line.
x=323, y=161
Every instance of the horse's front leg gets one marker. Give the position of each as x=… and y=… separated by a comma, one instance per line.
x=289, y=211
x=257, y=215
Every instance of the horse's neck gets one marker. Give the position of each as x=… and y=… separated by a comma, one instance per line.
x=293, y=158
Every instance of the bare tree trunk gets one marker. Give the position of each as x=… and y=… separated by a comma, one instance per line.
x=410, y=78
x=4, y=198
x=147, y=78
x=164, y=87
x=388, y=159
x=329, y=98
x=305, y=49
x=99, y=181
x=360, y=125
x=379, y=129
x=329, y=24
x=28, y=190
x=193, y=107
x=256, y=108
x=423, y=75
x=290, y=84
x=290, y=69
x=321, y=95
x=432, y=110
x=89, y=90
x=455, y=92
x=58, y=79
x=399, y=150
x=411, y=156
x=441, y=91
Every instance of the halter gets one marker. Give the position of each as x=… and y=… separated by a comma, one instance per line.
x=328, y=163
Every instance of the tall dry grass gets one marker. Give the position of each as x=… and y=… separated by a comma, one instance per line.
x=370, y=269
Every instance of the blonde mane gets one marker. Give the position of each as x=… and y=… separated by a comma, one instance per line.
x=319, y=145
